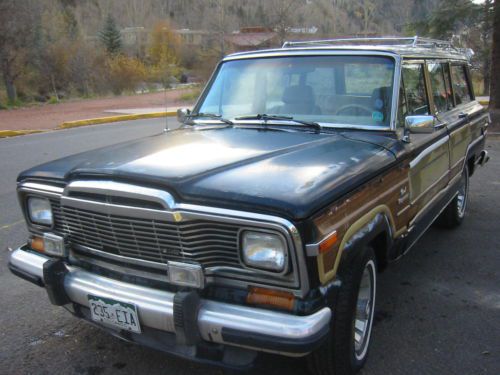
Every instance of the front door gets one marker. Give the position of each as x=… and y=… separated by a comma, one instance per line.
x=430, y=160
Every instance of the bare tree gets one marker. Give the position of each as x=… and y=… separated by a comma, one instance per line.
x=368, y=9
x=336, y=5
x=221, y=24
x=284, y=14
x=15, y=38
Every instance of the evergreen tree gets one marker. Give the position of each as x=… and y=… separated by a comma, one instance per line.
x=110, y=36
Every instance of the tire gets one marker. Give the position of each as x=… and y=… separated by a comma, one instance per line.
x=454, y=213
x=341, y=353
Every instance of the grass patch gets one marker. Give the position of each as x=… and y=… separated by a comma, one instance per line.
x=53, y=100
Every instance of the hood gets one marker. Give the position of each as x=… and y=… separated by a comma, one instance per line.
x=290, y=173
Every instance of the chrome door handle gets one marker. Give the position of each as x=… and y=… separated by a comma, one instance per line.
x=463, y=115
x=440, y=126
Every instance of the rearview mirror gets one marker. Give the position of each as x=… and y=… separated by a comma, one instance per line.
x=182, y=114
x=420, y=124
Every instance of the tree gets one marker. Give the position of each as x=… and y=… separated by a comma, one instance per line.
x=220, y=25
x=16, y=36
x=283, y=16
x=335, y=6
x=164, y=46
x=448, y=19
x=164, y=51
x=110, y=36
x=495, y=63
x=468, y=24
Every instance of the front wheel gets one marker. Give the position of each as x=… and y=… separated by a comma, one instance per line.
x=346, y=349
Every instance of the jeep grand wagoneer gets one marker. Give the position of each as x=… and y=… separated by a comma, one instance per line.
x=261, y=224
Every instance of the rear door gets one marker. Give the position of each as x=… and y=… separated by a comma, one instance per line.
x=467, y=117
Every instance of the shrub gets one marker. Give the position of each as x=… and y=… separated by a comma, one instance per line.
x=124, y=73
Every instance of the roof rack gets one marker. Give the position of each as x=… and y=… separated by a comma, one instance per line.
x=414, y=41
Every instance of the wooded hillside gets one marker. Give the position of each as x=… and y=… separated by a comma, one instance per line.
x=51, y=49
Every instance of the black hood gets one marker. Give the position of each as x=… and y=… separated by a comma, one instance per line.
x=290, y=173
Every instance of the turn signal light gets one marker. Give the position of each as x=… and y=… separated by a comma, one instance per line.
x=275, y=298
x=327, y=243
x=49, y=244
x=37, y=244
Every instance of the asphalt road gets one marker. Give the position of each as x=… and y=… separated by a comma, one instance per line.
x=438, y=309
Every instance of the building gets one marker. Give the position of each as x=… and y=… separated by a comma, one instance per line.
x=252, y=38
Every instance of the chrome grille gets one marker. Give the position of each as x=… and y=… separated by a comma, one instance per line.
x=209, y=243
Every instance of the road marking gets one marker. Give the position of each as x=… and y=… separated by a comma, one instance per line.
x=7, y=226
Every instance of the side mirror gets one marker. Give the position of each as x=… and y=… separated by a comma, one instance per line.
x=182, y=114
x=420, y=124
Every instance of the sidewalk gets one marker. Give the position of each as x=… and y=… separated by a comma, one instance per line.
x=50, y=116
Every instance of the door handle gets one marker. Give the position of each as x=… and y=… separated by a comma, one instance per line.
x=440, y=125
x=463, y=115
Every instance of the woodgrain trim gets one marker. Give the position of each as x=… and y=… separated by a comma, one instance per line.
x=387, y=195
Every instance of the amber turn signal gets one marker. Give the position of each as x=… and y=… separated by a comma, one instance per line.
x=275, y=298
x=327, y=243
x=37, y=244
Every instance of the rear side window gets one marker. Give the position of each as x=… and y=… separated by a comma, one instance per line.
x=461, y=88
x=415, y=91
x=438, y=87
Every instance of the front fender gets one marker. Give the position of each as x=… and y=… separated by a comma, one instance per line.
x=375, y=228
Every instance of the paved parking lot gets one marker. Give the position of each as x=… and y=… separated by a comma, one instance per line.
x=438, y=309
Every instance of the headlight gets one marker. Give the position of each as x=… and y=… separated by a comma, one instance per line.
x=264, y=250
x=39, y=211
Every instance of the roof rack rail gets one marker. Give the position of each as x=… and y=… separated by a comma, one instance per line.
x=414, y=41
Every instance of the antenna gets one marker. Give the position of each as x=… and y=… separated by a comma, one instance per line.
x=166, y=108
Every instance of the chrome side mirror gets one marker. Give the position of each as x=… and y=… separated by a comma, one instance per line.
x=182, y=114
x=420, y=124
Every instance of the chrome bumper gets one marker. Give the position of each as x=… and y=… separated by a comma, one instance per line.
x=218, y=322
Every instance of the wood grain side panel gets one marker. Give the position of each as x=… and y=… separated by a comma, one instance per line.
x=390, y=190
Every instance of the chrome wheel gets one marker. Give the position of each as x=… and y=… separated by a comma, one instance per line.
x=463, y=192
x=365, y=307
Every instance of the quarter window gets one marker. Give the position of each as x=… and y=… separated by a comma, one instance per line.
x=438, y=87
x=461, y=88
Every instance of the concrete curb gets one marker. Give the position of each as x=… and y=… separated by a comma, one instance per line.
x=15, y=133
x=103, y=120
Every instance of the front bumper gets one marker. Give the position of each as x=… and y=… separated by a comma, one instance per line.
x=217, y=322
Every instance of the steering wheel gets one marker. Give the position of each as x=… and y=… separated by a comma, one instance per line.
x=347, y=107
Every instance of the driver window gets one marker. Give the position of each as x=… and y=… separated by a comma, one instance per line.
x=415, y=91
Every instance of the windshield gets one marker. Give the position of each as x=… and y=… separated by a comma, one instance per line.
x=331, y=90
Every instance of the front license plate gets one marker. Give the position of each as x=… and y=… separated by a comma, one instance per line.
x=115, y=313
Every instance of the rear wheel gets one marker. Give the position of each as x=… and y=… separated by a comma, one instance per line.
x=346, y=350
x=454, y=213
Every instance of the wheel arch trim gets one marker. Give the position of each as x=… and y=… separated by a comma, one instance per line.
x=375, y=222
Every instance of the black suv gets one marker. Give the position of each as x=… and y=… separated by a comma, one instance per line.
x=261, y=224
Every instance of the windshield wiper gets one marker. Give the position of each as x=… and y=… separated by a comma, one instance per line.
x=265, y=117
x=210, y=115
